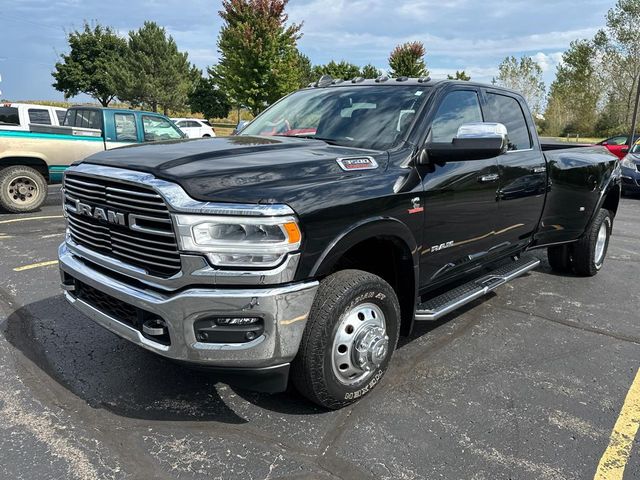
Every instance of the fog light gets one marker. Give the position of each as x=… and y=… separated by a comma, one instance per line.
x=228, y=329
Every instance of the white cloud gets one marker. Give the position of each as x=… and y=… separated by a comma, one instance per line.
x=548, y=61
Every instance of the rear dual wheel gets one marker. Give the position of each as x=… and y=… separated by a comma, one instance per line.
x=349, y=339
x=585, y=257
x=22, y=189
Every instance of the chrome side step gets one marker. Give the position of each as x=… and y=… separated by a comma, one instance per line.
x=441, y=305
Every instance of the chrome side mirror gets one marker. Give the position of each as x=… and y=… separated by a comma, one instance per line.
x=474, y=141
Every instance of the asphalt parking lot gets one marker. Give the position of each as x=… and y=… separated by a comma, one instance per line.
x=527, y=383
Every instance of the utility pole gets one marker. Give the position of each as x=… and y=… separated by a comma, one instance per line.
x=634, y=120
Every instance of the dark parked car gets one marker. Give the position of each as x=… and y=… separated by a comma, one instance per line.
x=306, y=255
x=630, y=166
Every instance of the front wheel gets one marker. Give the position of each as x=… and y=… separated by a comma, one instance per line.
x=349, y=338
x=591, y=250
x=22, y=189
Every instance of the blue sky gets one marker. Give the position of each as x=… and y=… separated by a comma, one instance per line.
x=458, y=34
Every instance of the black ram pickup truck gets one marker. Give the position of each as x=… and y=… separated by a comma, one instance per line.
x=306, y=245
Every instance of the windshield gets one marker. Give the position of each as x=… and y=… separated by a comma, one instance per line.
x=373, y=117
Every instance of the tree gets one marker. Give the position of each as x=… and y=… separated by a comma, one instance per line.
x=306, y=70
x=407, y=60
x=259, y=60
x=156, y=73
x=93, y=65
x=459, y=76
x=343, y=70
x=574, y=94
x=208, y=99
x=370, y=72
x=524, y=76
x=618, y=48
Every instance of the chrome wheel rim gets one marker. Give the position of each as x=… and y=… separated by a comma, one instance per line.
x=360, y=345
x=22, y=190
x=601, y=242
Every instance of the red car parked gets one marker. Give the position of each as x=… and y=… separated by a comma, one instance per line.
x=618, y=145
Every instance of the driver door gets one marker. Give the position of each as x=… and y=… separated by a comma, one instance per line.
x=460, y=197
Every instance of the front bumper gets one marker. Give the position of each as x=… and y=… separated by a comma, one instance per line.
x=284, y=310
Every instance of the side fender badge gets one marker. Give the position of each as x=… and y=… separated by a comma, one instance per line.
x=357, y=163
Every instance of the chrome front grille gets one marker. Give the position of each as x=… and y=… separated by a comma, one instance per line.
x=126, y=221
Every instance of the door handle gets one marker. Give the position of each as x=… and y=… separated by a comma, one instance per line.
x=492, y=177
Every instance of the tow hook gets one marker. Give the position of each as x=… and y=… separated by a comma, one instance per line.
x=155, y=327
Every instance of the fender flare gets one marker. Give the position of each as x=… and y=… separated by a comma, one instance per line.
x=615, y=180
x=359, y=232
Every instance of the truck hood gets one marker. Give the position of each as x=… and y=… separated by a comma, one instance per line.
x=242, y=169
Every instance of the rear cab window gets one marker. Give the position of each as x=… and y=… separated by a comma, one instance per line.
x=126, y=129
x=61, y=114
x=39, y=116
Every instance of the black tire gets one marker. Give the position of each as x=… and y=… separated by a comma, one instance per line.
x=585, y=262
x=559, y=257
x=22, y=189
x=339, y=294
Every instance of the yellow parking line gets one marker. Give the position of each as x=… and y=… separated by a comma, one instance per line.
x=13, y=220
x=614, y=460
x=36, y=265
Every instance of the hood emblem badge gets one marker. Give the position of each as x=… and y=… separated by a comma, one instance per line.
x=357, y=163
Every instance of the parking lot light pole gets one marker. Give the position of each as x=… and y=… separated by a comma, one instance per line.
x=634, y=119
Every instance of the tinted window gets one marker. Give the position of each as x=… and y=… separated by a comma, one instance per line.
x=507, y=110
x=9, y=116
x=126, y=130
x=39, y=116
x=158, y=128
x=455, y=110
x=60, y=114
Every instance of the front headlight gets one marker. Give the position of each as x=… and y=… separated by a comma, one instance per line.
x=239, y=241
x=626, y=162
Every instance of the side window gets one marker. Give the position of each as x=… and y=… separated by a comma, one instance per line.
x=456, y=109
x=618, y=141
x=182, y=124
x=39, y=116
x=70, y=118
x=9, y=116
x=158, y=128
x=61, y=114
x=507, y=110
x=126, y=130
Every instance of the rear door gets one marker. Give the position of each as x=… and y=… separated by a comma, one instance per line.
x=460, y=206
x=523, y=171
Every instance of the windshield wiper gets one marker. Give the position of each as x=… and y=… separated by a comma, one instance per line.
x=313, y=137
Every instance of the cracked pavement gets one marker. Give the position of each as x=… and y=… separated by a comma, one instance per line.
x=525, y=383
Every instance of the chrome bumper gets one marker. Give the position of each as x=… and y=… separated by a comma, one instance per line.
x=284, y=309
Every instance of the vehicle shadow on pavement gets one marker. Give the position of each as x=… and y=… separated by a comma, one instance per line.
x=108, y=372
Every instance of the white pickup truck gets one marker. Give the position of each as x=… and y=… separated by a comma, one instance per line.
x=18, y=116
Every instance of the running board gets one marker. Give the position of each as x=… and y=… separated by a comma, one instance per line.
x=441, y=305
